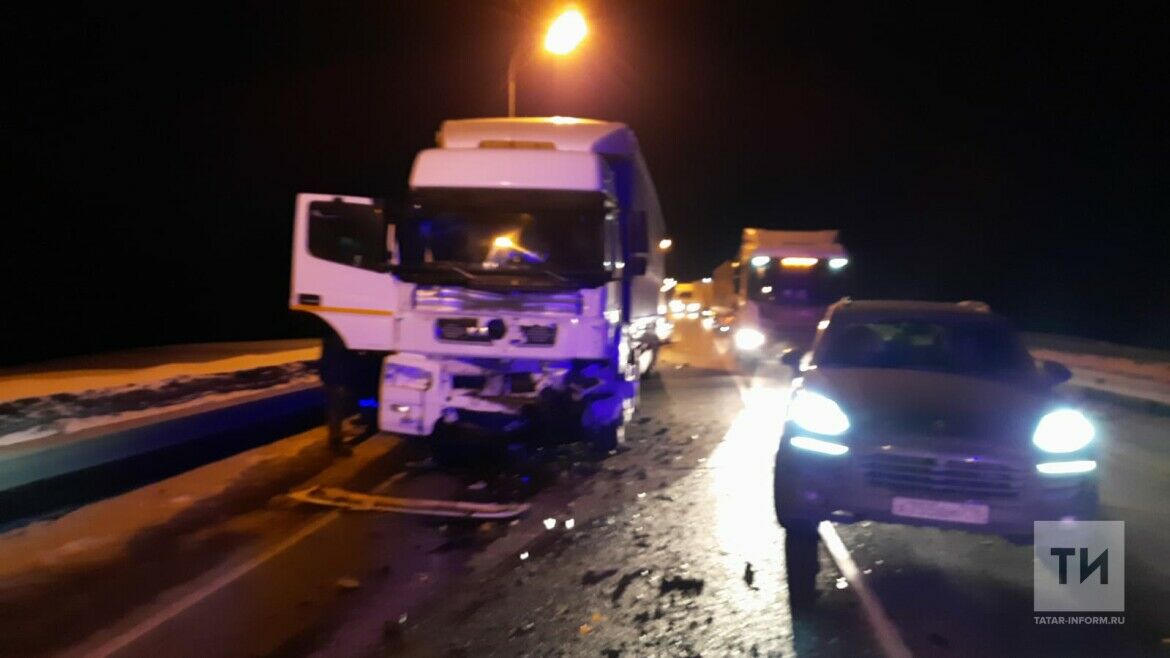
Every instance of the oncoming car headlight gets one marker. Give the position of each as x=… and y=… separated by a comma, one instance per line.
x=749, y=339
x=404, y=376
x=1063, y=430
x=817, y=413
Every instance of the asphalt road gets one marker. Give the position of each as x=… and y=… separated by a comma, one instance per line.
x=672, y=551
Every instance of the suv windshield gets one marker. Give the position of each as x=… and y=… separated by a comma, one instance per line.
x=816, y=285
x=978, y=347
x=512, y=231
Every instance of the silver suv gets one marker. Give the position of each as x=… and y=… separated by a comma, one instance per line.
x=926, y=413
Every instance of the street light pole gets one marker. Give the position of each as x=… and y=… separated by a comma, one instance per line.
x=512, y=81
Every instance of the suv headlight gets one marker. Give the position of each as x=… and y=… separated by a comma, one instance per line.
x=817, y=413
x=1063, y=430
x=405, y=376
x=747, y=339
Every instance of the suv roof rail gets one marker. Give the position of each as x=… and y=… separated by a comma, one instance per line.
x=975, y=305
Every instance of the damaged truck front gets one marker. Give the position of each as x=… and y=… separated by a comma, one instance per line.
x=516, y=289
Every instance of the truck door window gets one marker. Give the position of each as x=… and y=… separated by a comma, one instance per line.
x=348, y=233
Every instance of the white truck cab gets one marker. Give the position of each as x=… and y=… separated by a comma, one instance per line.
x=784, y=281
x=518, y=284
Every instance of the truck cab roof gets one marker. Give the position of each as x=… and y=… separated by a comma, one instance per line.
x=555, y=133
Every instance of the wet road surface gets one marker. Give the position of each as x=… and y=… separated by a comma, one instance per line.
x=668, y=548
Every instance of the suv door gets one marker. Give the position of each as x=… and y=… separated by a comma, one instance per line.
x=342, y=249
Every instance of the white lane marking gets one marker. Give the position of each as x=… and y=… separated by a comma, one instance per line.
x=887, y=634
x=177, y=608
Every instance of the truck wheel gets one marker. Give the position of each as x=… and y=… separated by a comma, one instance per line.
x=604, y=440
x=801, y=561
x=648, y=361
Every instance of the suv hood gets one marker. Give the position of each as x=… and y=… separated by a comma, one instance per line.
x=884, y=404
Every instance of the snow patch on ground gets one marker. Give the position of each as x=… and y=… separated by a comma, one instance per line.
x=33, y=418
x=1146, y=380
x=149, y=365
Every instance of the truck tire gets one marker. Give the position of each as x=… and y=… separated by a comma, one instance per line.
x=604, y=440
x=648, y=361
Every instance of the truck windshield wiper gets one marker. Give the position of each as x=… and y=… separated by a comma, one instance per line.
x=443, y=266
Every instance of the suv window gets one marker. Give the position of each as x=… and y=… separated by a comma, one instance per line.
x=962, y=346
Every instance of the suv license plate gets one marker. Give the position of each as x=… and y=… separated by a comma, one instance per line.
x=941, y=510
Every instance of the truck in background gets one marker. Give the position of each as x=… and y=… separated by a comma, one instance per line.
x=783, y=281
x=518, y=288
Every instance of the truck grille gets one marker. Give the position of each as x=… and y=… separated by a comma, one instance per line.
x=464, y=300
x=948, y=477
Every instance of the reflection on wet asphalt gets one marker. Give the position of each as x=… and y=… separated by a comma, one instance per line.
x=684, y=559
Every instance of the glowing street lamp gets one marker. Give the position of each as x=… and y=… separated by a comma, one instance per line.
x=563, y=36
x=565, y=33
x=665, y=244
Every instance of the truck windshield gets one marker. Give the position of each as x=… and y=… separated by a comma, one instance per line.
x=507, y=231
x=815, y=285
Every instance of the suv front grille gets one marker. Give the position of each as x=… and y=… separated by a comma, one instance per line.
x=947, y=477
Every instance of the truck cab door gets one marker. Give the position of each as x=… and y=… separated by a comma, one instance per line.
x=342, y=250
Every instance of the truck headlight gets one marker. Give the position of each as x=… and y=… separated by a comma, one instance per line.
x=748, y=339
x=404, y=376
x=1063, y=430
x=817, y=413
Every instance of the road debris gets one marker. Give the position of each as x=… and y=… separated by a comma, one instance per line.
x=360, y=502
x=592, y=577
x=625, y=583
x=523, y=629
x=687, y=586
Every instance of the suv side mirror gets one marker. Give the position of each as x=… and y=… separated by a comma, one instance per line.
x=1055, y=373
x=791, y=358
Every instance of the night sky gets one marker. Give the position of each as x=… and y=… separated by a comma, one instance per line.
x=964, y=151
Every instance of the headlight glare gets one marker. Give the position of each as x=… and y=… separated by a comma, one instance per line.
x=748, y=339
x=817, y=413
x=1063, y=430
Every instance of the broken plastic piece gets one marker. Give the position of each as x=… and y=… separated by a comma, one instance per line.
x=360, y=502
